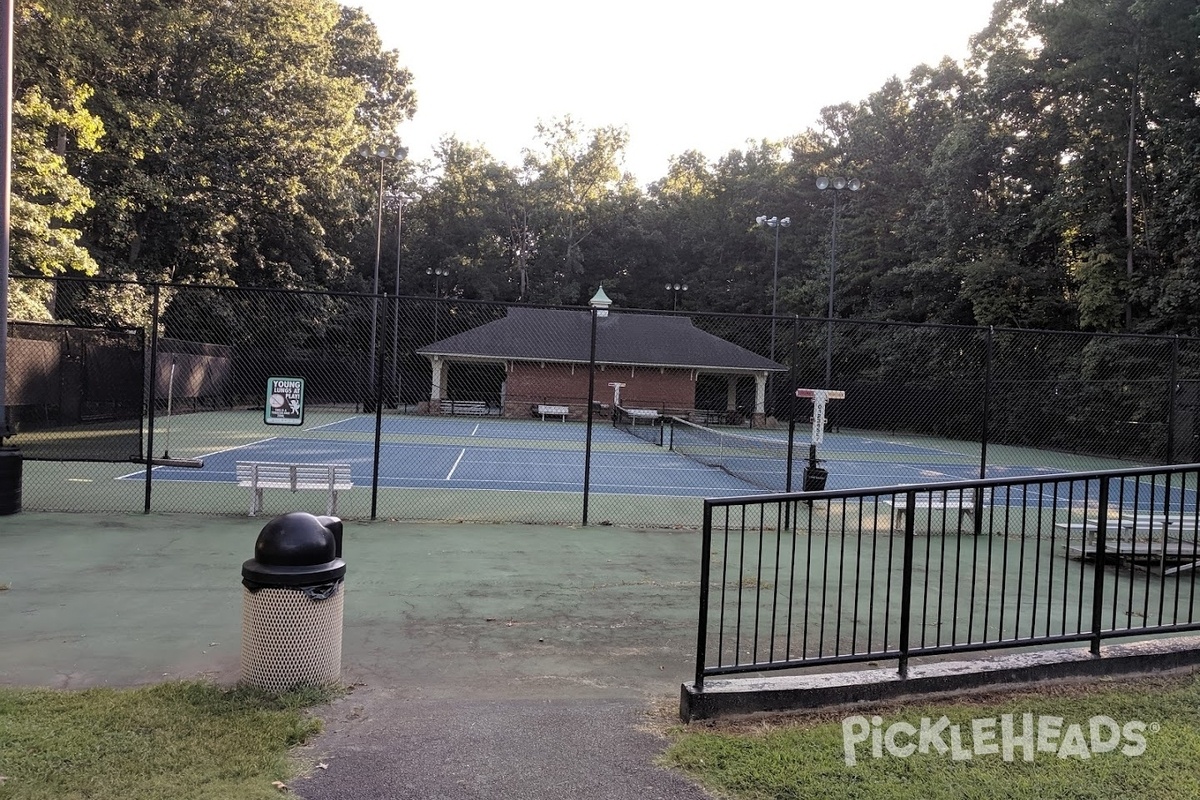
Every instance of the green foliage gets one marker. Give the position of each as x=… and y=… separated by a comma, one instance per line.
x=172, y=741
x=1051, y=180
x=798, y=758
x=46, y=198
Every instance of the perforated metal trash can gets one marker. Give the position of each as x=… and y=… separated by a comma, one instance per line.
x=292, y=604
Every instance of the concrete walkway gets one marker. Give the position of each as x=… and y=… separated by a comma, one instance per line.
x=486, y=661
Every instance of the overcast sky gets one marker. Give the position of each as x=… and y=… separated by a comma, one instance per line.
x=677, y=75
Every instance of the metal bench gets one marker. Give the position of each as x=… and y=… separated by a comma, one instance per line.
x=965, y=507
x=553, y=411
x=260, y=475
x=472, y=408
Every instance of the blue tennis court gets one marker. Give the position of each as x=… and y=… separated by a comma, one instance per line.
x=433, y=466
x=458, y=453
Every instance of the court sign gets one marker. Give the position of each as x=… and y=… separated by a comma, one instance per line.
x=285, y=401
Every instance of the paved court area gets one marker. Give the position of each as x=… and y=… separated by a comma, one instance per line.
x=486, y=661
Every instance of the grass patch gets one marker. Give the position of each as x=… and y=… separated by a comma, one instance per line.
x=175, y=741
x=806, y=758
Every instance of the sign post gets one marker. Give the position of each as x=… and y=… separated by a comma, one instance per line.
x=815, y=476
x=285, y=401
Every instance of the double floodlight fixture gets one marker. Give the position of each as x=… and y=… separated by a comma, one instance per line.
x=853, y=184
x=773, y=222
x=383, y=152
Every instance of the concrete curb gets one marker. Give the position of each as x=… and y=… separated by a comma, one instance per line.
x=724, y=698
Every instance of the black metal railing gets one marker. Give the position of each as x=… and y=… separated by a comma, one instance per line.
x=798, y=580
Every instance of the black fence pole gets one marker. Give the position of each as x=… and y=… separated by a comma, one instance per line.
x=378, y=389
x=702, y=623
x=984, y=432
x=1171, y=395
x=986, y=405
x=1100, y=568
x=587, y=450
x=792, y=380
x=906, y=586
x=152, y=398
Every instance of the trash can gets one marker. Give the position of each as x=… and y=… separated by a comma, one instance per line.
x=10, y=476
x=292, y=604
x=814, y=478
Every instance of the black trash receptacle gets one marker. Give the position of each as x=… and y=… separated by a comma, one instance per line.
x=814, y=478
x=292, y=604
x=10, y=477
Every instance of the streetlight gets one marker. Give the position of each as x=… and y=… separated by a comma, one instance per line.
x=400, y=199
x=676, y=288
x=838, y=185
x=776, y=223
x=384, y=154
x=437, y=274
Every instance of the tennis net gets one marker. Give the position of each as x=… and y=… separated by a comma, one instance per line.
x=756, y=460
x=644, y=423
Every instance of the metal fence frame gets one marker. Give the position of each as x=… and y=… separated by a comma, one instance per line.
x=1123, y=510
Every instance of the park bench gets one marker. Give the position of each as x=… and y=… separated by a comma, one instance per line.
x=471, y=408
x=553, y=411
x=260, y=475
x=964, y=506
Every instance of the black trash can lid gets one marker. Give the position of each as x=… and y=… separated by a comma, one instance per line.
x=296, y=549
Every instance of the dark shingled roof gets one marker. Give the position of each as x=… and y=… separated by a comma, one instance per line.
x=555, y=335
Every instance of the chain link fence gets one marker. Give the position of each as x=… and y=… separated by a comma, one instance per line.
x=446, y=409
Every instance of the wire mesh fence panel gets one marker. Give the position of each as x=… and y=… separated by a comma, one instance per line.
x=731, y=397
x=75, y=393
x=913, y=406
x=1184, y=431
x=468, y=410
x=495, y=403
x=221, y=360
x=1078, y=394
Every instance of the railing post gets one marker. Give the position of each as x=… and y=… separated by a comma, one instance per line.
x=906, y=581
x=705, y=568
x=1098, y=582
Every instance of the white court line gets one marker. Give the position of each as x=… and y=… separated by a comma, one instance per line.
x=461, y=453
x=477, y=424
x=327, y=424
x=205, y=455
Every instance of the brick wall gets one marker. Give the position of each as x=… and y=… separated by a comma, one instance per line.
x=530, y=383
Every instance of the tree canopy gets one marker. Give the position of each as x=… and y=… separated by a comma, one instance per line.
x=1051, y=180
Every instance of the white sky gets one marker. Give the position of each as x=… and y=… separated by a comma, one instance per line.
x=677, y=74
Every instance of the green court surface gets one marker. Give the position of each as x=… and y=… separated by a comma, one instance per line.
x=432, y=610
x=515, y=610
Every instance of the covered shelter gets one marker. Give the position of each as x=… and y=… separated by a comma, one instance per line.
x=541, y=357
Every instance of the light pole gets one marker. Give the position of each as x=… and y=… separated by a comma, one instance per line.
x=675, y=289
x=437, y=274
x=400, y=199
x=837, y=185
x=776, y=223
x=384, y=154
